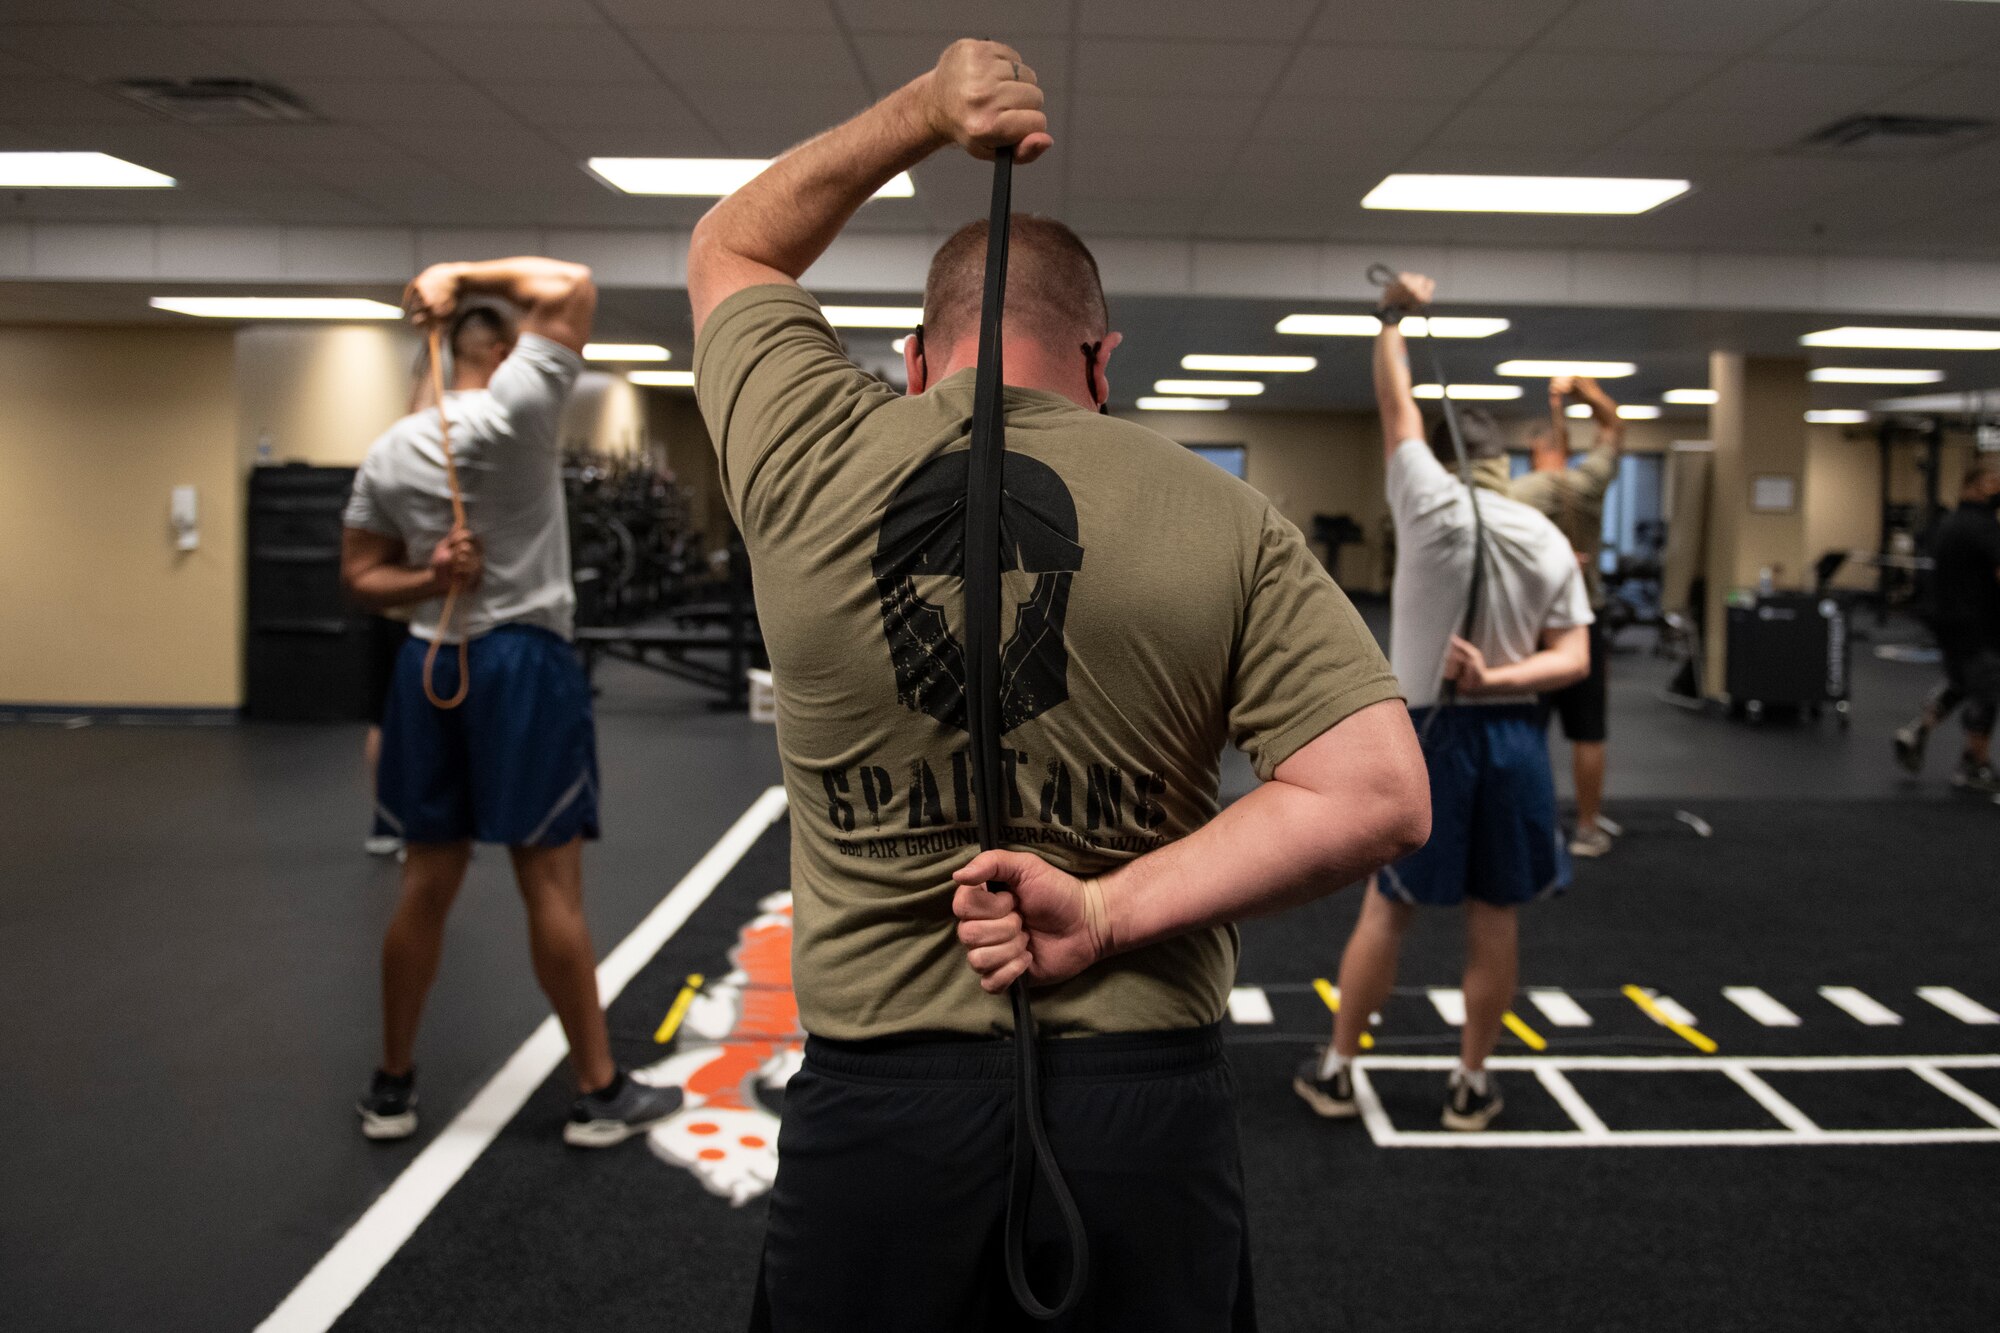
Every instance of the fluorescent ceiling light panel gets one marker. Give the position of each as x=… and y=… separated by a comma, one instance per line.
x=1836, y=417
x=76, y=171
x=1548, y=370
x=1693, y=397
x=1275, y=365
x=873, y=316
x=662, y=379
x=1864, y=375
x=1487, y=392
x=277, y=307
x=625, y=352
x=702, y=177
x=1522, y=194
x=1413, y=326
x=1164, y=404
x=1213, y=388
x=1923, y=340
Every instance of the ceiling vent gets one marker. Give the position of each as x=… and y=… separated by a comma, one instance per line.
x=217, y=101
x=1894, y=136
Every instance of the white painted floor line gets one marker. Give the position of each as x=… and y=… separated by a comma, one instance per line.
x=1768, y=1097
x=1959, y=1093
x=1449, y=1003
x=347, y=1269
x=1682, y=1138
x=1661, y=1064
x=1372, y=1115
x=1861, y=1006
x=1558, y=1007
x=1249, y=1004
x=1672, y=1008
x=1960, y=1006
x=1571, y=1101
x=1761, y=1006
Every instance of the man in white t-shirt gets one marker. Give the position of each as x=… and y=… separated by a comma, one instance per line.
x=516, y=762
x=1495, y=842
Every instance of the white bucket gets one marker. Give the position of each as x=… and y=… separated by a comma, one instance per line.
x=763, y=696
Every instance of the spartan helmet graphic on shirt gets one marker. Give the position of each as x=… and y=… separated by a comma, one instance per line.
x=923, y=533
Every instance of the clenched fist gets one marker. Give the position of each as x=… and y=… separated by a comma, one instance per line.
x=1020, y=916
x=982, y=97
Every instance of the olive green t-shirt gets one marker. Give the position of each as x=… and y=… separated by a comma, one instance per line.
x=1155, y=609
x=1573, y=499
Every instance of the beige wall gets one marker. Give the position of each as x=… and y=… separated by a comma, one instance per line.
x=317, y=393
x=96, y=606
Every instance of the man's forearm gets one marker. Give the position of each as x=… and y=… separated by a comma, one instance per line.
x=1610, y=426
x=525, y=280
x=787, y=217
x=1394, y=397
x=385, y=587
x=1357, y=797
x=1538, y=673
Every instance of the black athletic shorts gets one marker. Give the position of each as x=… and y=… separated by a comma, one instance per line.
x=1585, y=707
x=891, y=1195
x=1974, y=675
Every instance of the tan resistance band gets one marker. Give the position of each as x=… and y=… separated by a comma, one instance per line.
x=458, y=524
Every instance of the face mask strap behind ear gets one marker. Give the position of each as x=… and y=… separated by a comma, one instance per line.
x=1090, y=376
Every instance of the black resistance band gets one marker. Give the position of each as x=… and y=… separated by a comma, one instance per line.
x=1382, y=275
x=984, y=483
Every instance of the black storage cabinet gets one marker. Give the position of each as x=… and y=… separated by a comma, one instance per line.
x=1788, y=650
x=307, y=651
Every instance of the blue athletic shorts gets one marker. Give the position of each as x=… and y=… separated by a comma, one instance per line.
x=1494, y=834
x=515, y=764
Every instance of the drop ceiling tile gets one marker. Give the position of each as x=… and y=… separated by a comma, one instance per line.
x=706, y=15
x=587, y=103
x=764, y=60
x=1483, y=125
x=295, y=144
x=1968, y=90
x=545, y=53
x=1124, y=217
x=1436, y=22
x=1007, y=21
x=101, y=53
x=1599, y=78
x=1894, y=30
x=1124, y=65
x=1677, y=130
x=485, y=12
x=306, y=204
x=62, y=103
x=445, y=102
x=637, y=140
x=1489, y=160
x=1722, y=26
x=1389, y=72
x=1832, y=89
x=1385, y=124
x=1282, y=20
x=302, y=52
x=1196, y=119
x=254, y=11
x=70, y=11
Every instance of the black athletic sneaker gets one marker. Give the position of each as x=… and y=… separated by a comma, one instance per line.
x=1330, y=1097
x=389, y=1111
x=1467, y=1108
x=614, y=1114
x=1910, y=741
x=1978, y=778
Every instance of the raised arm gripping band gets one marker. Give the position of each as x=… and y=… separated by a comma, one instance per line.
x=1382, y=275
x=984, y=483
x=458, y=524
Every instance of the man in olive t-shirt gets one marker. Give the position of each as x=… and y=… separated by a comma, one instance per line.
x=1157, y=610
x=1573, y=498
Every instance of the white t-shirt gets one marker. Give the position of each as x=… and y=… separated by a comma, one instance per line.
x=1532, y=583
x=504, y=441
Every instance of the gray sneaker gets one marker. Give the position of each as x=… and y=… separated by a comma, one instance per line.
x=1977, y=778
x=1469, y=1109
x=1329, y=1095
x=598, y=1120
x=1590, y=842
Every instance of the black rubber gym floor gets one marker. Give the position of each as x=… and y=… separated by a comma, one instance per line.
x=1422, y=1230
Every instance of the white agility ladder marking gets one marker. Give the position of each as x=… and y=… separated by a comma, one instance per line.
x=1761, y=1006
x=1960, y=1006
x=1861, y=1006
x=1249, y=1004
x=1591, y=1132
x=1450, y=1004
x=1558, y=1007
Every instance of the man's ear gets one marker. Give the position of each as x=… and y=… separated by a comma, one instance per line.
x=1100, y=378
x=913, y=363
